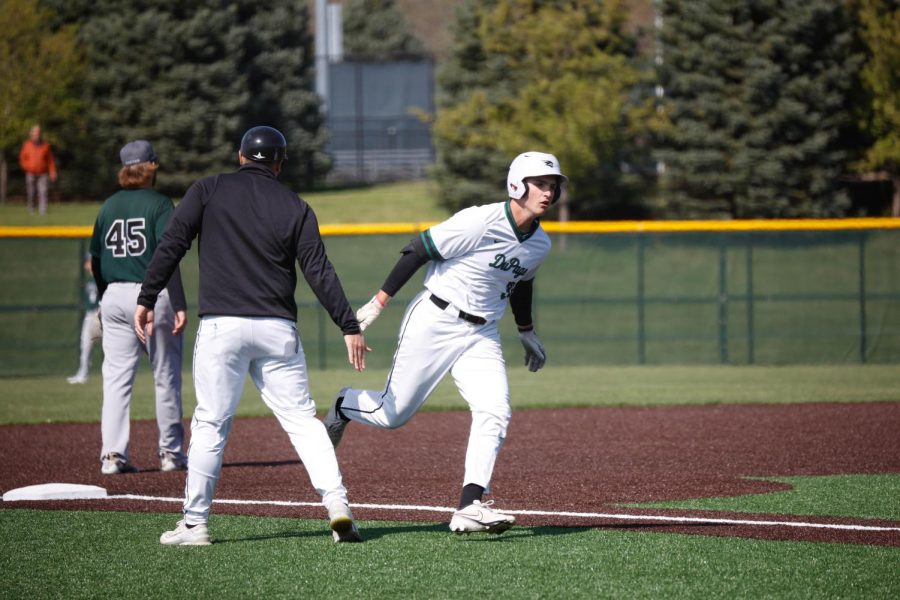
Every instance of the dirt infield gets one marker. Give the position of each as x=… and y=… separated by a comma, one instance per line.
x=559, y=461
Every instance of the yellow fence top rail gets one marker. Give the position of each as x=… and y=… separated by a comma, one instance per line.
x=60, y=231
x=549, y=226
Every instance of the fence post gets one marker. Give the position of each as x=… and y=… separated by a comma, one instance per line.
x=642, y=357
x=83, y=245
x=723, y=299
x=862, y=297
x=360, y=137
x=750, y=344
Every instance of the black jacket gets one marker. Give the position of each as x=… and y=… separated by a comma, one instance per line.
x=252, y=230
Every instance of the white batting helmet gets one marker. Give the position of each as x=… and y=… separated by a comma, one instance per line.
x=532, y=164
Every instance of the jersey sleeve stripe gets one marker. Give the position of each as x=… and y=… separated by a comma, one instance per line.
x=430, y=247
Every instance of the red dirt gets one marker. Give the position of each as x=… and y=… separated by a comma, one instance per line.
x=570, y=460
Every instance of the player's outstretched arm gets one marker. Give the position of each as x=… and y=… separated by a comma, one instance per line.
x=369, y=311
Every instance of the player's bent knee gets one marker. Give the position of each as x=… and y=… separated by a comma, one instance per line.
x=396, y=421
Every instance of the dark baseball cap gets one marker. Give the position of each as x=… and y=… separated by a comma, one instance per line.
x=136, y=152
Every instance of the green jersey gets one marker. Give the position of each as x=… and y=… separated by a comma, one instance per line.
x=127, y=231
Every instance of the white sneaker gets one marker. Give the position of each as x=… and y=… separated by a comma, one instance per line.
x=114, y=464
x=182, y=535
x=77, y=379
x=169, y=461
x=478, y=516
x=334, y=422
x=340, y=519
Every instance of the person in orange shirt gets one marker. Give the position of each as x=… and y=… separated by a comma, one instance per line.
x=36, y=159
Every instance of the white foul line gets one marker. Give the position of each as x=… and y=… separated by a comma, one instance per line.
x=616, y=516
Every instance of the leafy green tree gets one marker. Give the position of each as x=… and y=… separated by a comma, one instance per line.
x=40, y=66
x=756, y=95
x=880, y=30
x=377, y=30
x=191, y=77
x=552, y=76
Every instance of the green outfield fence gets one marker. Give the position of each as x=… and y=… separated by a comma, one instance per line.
x=698, y=292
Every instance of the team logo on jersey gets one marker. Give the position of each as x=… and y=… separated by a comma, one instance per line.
x=512, y=264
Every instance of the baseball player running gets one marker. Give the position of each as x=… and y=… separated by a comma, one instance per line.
x=254, y=230
x=479, y=259
x=126, y=232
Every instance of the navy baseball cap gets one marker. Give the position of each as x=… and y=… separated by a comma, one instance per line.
x=136, y=152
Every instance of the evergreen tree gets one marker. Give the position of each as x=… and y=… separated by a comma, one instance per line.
x=376, y=30
x=191, y=77
x=168, y=73
x=755, y=92
x=552, y=76
x=278, y=61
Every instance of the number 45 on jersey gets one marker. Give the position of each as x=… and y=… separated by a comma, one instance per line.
x=125, y=237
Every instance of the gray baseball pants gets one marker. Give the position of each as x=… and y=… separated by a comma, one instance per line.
x=40, y=184
x=90, y=333
x=122, y=351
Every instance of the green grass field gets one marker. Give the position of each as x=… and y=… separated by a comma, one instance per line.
x=116, y=555
x=71, y=554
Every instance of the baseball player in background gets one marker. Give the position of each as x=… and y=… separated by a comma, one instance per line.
x=127, y=230
x=479, y=260
x=254, y=231
x=90, y=327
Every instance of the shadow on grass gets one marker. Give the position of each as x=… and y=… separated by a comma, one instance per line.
x=370, y=533
x=270, y=536
x=511, y=535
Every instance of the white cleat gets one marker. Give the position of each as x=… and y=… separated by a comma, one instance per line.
x=478, y=516
x=77, y=379
x=169, y=461
x=340, y=519
x=115, y=464
x=182, y=535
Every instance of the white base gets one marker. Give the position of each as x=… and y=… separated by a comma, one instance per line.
x=55, y=491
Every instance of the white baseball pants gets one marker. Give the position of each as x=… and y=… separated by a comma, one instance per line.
x=433, y=342
x=269, y=349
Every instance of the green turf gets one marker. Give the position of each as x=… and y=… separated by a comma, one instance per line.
x=116, y=555
x=44, y=399
x=866, y=496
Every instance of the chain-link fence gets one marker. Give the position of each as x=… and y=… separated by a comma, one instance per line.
x=731, y=296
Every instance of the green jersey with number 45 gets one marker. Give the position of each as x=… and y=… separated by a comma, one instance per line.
x=126, y=232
